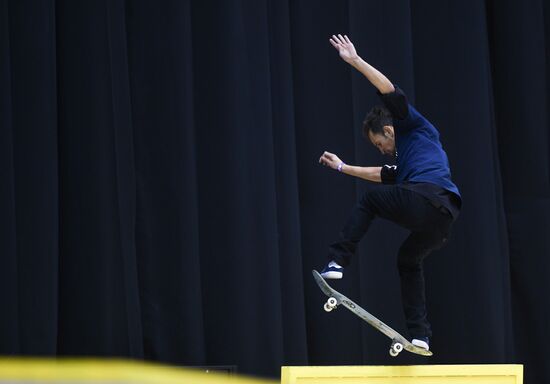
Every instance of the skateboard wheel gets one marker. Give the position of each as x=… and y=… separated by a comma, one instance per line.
x=397, y=347
x=393, y=353
x=332, y=302
x=327, y=307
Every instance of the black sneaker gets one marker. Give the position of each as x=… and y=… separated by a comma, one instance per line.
x=332, y=271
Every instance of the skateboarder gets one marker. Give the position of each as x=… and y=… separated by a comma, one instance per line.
x=417, y=191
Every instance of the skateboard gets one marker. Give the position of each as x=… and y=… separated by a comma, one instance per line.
x=335, y=299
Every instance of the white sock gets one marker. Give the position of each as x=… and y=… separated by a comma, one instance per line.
x=334, y=264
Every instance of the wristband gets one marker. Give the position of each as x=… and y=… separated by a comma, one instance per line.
x=340, y=166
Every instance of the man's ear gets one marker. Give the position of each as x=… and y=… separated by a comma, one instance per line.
x=388, y=131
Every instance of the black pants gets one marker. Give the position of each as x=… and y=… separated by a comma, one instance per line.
x=430, y=228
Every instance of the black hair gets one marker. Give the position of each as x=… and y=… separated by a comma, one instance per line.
x=376, y=119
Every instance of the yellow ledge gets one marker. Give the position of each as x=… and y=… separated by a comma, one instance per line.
x=96, y=371
x=411, y=374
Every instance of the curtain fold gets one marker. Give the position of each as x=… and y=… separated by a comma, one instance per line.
x=167, y=236
x=34, y=181
x=9, y=325
x=519, y=61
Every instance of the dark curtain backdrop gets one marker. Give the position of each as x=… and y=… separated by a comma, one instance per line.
x=160, y=194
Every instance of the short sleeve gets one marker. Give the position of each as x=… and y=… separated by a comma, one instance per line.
x=396, y=102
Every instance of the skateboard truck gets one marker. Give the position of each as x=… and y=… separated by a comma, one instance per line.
x=331, y=304
x=396, y=348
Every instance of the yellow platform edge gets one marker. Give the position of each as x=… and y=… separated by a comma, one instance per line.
x=43, y=370
x=410, y=374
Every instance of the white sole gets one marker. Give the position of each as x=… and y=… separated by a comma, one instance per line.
x=420, y=344
x=332, y=275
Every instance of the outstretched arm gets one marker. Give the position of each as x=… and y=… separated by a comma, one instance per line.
x=367, y=173
x=347, y=52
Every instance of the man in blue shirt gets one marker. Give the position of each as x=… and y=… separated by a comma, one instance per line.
x=418, y=192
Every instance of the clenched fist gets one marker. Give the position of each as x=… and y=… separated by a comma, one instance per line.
x=330, y=160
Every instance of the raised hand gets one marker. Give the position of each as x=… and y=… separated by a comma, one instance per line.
x=330, y=160
x=345, y=48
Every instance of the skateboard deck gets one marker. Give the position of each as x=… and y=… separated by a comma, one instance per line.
x=336, y=298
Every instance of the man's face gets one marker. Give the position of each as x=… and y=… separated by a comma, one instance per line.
x=384, y=142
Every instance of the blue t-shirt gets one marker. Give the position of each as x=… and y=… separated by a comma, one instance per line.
x=421, y=163
x=420, y=157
